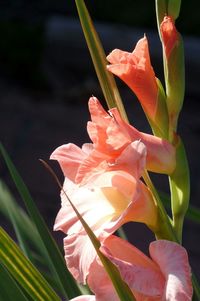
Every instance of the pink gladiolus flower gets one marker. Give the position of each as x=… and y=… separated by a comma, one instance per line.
x=84, y=298
x=136, y=71
x=169, y=34
x=110, y=200
x=111, y=137
x=103, y=181
x=166, y=276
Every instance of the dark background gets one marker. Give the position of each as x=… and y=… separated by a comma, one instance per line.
x=23, y=23
x=46, y=78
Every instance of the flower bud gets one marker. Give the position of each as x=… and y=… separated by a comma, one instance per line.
x=174, y=69
x=136, y=71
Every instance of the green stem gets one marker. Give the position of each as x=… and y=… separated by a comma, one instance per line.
x=179, y=182
x=165, y=230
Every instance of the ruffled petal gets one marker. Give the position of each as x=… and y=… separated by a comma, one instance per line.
x=105, y=133
x=100, y=283
x=118, y=56
x=136, y=71
x=97, y=112
x=115, y=245
x=161, y=155
x=79, y=255
x=131, y=160
x=121, y=70
x=103, y=201
x=143, y=208
x=116, y=199
x=69, y=156
x=141, y=51
x=137, y=270
x=173, y=262
x=92, y=204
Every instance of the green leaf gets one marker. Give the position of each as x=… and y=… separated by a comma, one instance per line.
x=24, y=228
x=9, y=290
x=68, y=286
x=23, y=270
x=105, y=78
x=27, y=234
x=167, y=7
x=161, y=12
x=174, y=8
x=28, y=237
